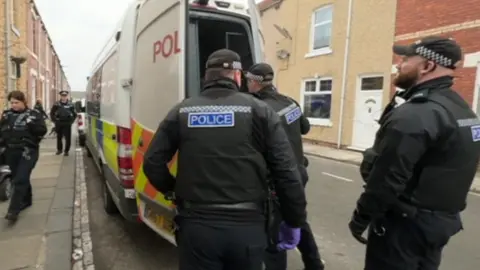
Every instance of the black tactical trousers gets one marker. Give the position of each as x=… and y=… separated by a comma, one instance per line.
x=63, y=131
x=277, y=260
x=21, y=163
x=410, y=243
x=212, y=245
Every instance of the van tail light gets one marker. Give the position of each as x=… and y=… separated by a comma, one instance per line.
x=79, y=120
x=124, y=157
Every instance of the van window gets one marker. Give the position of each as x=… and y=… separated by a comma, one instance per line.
x=210, y=33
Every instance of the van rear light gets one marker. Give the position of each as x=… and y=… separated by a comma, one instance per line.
x=124, y=157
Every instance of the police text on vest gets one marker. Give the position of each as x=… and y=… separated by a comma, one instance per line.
x=211, y=120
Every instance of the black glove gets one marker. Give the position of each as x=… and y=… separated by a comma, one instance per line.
x=358, y=225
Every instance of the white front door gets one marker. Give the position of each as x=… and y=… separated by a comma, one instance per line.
x=368, y=108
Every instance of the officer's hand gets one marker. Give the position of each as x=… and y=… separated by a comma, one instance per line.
x=288, y=238
x=358, y=225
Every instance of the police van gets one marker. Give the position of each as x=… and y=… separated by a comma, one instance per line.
x=155, y=59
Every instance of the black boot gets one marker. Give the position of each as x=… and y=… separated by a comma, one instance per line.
x=58, y=153
x=12, y=217
x=25, y=205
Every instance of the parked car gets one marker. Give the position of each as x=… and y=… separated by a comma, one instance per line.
x=81, y=122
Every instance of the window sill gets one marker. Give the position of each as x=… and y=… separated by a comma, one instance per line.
x=319, y=52
x=15, y=30
x=320, y=122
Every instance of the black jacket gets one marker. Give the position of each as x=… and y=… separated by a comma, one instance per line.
x=293, y=120
x=19, y=129
x=63, y=113
x=427, y=150
x=39, y=107
x=226, y=142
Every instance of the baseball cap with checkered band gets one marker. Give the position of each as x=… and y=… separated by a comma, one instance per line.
x=261, y=72
x=443, y=51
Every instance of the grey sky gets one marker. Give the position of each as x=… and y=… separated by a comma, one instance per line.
x=79, y=30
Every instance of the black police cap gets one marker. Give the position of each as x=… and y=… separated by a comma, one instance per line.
x=443, y=51
x=261, y=72
x=225, y=59
x=63, y=93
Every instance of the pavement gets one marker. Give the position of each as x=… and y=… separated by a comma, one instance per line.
x=42, y=237
x=355, y=158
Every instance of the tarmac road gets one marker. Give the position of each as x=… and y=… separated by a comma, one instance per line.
x=332, y=192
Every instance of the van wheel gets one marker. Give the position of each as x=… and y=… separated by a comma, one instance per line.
x=108, y=203
x=89, y=154
x=6, y=189
x=81, y=141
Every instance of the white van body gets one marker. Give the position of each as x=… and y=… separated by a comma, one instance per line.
x=155, y=59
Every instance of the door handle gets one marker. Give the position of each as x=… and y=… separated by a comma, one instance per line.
x=114, y=137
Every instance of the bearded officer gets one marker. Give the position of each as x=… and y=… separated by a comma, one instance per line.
x=226, y=142
x=427, y=150
x=259, y=78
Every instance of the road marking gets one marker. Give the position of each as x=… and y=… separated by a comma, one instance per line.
x=337, y=177
x=474, y=194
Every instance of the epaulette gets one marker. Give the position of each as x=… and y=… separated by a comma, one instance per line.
x=420, y=96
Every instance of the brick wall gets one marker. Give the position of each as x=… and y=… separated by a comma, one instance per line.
x=457, y=19
x=418, y=15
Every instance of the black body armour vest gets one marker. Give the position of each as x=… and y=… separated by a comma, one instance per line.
x=442, y=179
x=220, y=152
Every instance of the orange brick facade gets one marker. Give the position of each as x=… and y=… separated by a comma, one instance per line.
x=457, y=19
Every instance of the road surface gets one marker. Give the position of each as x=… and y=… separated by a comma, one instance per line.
x=332, y=192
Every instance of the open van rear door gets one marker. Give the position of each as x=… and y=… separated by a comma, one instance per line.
x=257, y=33
x=158, y=85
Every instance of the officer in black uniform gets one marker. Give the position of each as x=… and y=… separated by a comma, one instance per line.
x=63, y=115
x=260, y=78
x=428, y=150
x=227, y=141
x=369, y=155
x=21, y=130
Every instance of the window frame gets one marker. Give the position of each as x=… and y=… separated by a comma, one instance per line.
x=326, y=122
x=324, y=50
x=13, y=17
x=370, y=76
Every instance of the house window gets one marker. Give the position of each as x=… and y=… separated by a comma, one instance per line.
x=317, y=100
x=14, y=17
x=372, y=84
x=321, y=32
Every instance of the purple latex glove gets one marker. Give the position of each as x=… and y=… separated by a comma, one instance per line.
x=288, y=238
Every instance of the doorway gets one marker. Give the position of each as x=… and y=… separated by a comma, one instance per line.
x=368, y=109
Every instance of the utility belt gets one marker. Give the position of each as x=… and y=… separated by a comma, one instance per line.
x=411, y=210
x=405, y=209
x=25, y=143
x=221, y=206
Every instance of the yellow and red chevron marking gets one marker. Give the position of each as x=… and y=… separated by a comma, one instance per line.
x=142, y=185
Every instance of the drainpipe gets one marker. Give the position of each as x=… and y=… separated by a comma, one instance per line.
x=345, y=73
x=8, y=65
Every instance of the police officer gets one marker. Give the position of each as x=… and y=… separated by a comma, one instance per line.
x=39, y=107
x=227, y=141
x=427, y=150
x=21, y=130
x=369, y=155
x=63, y=115
x=259, y=78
